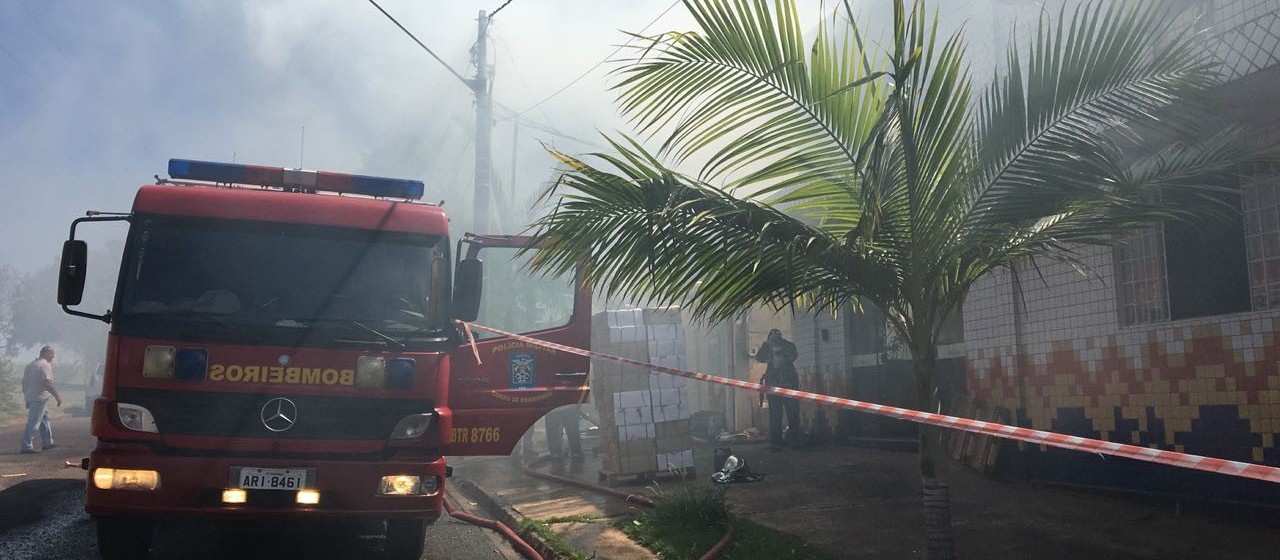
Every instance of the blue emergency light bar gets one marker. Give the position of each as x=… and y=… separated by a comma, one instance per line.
x=295, y=179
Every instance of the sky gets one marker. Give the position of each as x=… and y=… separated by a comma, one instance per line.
x=95, y=97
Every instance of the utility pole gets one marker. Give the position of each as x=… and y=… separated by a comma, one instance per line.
x=484, y=125
x=515, y=143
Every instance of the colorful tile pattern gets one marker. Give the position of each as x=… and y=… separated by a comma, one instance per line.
x=1209, y=389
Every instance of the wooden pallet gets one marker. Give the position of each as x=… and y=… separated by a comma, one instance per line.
x=975, y=451
x=991, y=457
x=610, y=478
x=957, y=440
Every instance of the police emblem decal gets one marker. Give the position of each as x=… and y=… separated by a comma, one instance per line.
x=522, y=366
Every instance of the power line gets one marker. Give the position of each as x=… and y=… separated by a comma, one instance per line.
x=567, y=137
x=552, y=131
x=512, y=112
x=24, y=69
x=470, y=85
x=549, y=128
x=420, y=44
x=597, y=65
x=495, y=12
x=527, y=87
x=43, y=29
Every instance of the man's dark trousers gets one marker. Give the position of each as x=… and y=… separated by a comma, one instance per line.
x=564, y=420
x=776, y=406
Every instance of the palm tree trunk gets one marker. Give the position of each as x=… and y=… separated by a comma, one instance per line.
x=937, y=495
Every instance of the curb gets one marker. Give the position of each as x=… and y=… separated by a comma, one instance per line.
x=504, y=513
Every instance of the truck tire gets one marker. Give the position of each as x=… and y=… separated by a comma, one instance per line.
x=124, y=538
x=405, y=539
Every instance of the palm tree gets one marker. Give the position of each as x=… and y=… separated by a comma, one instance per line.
x=838, y=174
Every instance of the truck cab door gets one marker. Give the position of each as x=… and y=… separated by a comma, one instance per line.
x=514, y=384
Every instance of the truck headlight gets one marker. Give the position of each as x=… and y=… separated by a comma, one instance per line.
x=105, y=478
x=234, y=496
x=408, y=485
x=307, y=497
x=413, y=426
x=136, y=418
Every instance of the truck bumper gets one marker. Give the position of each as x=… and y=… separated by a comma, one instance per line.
x=193, y=486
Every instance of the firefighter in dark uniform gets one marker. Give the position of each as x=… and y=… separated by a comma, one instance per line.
x=781, y=355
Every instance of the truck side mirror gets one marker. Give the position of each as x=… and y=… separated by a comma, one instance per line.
x=468, y=282
x=71, y=272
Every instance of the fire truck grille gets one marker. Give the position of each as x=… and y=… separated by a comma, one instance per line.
x=261, y=416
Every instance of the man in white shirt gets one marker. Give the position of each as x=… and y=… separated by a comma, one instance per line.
x=37, y=387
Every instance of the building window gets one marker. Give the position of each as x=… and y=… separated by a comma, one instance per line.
x=1262, y=240
x=1205, y=261
x=1140, y=277
x=1179, y=269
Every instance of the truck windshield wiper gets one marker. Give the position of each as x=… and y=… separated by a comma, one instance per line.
x=375, y=332
x=383, y=337
x=418, y=324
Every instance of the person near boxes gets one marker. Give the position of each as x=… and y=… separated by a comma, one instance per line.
x=564, y=420
x=780, y=354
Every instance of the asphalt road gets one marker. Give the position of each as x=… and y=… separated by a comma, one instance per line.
x=42, y=518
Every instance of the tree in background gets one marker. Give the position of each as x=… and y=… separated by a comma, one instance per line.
x=36, y=318
x=848, y=173
x=10, y=378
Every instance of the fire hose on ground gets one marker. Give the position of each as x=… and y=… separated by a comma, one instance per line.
x=530, y=469
x=531, y=553
x=518, y=543
x=531, y=466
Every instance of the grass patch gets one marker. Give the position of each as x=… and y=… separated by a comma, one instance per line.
x=686, y=524
x=544, y=532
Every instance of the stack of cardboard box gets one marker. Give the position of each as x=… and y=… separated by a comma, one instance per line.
x=644, y=414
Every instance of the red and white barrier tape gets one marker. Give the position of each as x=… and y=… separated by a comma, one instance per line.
x=1185, y=460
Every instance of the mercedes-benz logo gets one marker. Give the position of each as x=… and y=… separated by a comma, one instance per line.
x=279, y=414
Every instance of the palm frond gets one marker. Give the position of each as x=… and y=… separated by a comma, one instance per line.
x=848, y=174
x=932, y=95
x=1044, y=133
x=744, y=91
x=644, y=229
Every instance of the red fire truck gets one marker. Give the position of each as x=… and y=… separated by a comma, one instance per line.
x=284, y=344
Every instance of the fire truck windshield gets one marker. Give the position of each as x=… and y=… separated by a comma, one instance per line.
x=286, y=284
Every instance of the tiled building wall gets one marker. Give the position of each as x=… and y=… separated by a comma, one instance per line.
x=1208, y=385
x=988, y=315
x=1062, y=302
x=1245, y=35
x=823, y=363
x=1068, y=362
x=1059, y=303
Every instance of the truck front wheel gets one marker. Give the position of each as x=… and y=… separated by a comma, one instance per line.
x=405, y=539
x=124, y=538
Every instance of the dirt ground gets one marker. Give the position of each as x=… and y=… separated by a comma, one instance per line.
x=863, y=503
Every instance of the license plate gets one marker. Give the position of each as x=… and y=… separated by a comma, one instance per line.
x=254, y=478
